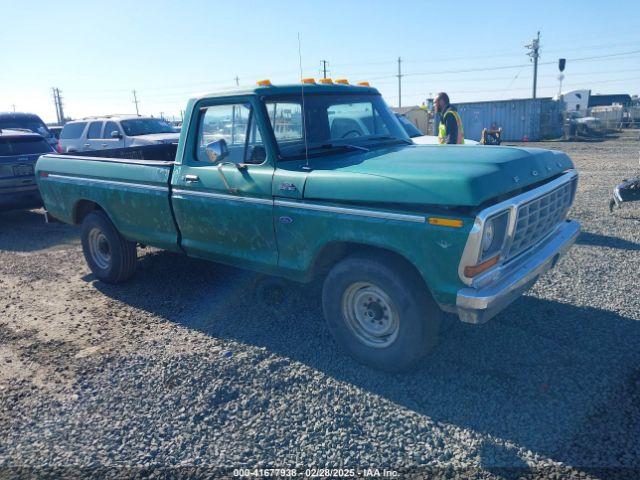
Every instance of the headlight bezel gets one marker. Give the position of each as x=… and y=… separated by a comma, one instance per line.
x=498, y=225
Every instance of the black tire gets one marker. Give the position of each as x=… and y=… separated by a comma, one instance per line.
x=111, y=257
x=403, y=291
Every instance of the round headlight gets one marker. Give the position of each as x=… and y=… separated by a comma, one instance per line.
x=487, y=235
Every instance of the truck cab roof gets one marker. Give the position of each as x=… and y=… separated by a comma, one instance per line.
x=287, y=89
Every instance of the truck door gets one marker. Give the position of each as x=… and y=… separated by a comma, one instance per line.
x=224, y=206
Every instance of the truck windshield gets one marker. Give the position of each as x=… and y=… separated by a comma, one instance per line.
x=334, y=123
x=145, y=126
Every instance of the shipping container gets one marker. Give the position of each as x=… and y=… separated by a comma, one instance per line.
x=520, y=119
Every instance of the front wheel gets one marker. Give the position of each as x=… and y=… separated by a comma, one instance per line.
x=111, y=257
x=380, y=312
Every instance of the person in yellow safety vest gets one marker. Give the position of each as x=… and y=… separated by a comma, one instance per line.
x=450, y=129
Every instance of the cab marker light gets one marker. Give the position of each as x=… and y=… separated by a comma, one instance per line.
x=364, y=84
x=309, y=80
x=43, y=174
x=474, y=270
x=326, y=81
x=342, y=81
x=445, y=222
x=264, y=83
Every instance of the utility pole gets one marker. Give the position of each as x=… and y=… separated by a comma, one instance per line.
x=534, y=49
x=57, y=100
x=237, y=81
x=13, y=105
x=399, y=82
x=135, y=100
x=324, y=68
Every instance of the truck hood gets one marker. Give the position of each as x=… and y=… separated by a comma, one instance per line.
x=448, y=175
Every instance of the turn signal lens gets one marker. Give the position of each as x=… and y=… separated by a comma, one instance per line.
x=326, y=81
x=264, y=83
x=475, y=270
x=445, y=222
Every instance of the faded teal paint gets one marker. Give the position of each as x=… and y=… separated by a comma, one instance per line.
x=139, y=213
x=429, y=174
x=435, y=251
x=245, y=227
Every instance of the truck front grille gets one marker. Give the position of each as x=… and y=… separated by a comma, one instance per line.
x=538, y=217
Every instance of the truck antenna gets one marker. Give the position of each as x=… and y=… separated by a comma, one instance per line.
x=304, y=121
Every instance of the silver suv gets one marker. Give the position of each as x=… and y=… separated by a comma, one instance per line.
x=115, y=132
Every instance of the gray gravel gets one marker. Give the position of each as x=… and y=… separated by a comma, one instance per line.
x=182, y=367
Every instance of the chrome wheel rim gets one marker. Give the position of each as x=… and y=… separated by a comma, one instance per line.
x=370, y=315
x=99, y=248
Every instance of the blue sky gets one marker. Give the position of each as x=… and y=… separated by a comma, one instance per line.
x=96, y=53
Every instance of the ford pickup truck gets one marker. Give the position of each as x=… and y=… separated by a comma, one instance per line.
x=321, y=181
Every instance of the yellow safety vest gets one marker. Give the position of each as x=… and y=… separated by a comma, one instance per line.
x=442, y=128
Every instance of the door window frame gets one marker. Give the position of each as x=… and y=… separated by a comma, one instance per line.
x=190, y=157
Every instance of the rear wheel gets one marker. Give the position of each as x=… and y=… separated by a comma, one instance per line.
x=380, y=311
x=111, y=257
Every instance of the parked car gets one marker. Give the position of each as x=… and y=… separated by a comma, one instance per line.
x=419, y=138
x=399, y=232
x=26, y=121
x=55, y=130
x=19, y=151
x=115, y=132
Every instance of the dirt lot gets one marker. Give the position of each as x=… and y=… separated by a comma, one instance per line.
x=181, y=366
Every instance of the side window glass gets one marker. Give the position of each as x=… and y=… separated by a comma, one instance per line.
x=94, y=130
x=224, y=122
x=109, y=128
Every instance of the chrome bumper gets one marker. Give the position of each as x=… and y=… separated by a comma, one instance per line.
x=478, y=305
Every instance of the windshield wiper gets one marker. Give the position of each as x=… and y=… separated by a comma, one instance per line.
x=329, y=146
x=389, y=137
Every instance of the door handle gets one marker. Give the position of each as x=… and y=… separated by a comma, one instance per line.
x=104, y=145
x=87, y=144
x=191, y=178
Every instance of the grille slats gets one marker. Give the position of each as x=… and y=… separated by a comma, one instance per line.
x=537, y=218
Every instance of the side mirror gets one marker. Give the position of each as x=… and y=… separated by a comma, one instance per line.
x=217, y=151
x=116, y=134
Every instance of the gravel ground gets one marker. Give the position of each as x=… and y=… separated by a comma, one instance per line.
x=181, y=367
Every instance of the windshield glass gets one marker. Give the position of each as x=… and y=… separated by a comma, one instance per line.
x=34, y=124
x=333, y=122
x=409, y=127
x=145, y=126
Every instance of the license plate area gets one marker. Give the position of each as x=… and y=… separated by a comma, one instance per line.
x=22, y=170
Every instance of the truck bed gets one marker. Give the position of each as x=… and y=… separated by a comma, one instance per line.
x=148, y=153
x=132, y=184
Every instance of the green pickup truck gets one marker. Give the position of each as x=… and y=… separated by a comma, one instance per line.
x=308, y=181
